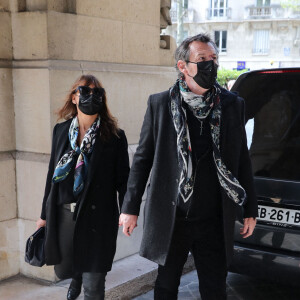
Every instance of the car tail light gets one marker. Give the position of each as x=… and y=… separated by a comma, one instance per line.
x=279, y=71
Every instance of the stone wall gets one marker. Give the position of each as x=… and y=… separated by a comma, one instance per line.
x=44, y=47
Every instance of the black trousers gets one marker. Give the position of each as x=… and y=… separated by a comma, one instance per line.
x=206, y=243
x=93, y=283
x=65, y=231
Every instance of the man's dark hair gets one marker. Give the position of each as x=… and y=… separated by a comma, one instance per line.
x=183, y=50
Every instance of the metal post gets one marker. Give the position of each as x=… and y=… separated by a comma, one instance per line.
x=180, y=14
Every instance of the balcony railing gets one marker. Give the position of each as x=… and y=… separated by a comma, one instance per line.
x=218, y=13
x=263, y=51
x=188, y=15
x=265, y=12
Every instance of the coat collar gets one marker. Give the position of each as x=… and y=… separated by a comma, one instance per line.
x=227, y=98
x=93, y=163
x=62, y=134
x=94, y=159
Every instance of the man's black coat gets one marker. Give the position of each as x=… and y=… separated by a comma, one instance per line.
x=157, y=150
x=96, y=227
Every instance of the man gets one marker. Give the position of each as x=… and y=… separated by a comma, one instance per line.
x=193, y=138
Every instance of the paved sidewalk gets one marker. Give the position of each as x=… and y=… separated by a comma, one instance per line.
x=128, y=278
x=23, y=288
x=239, y=287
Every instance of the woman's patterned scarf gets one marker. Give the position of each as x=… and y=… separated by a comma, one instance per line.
x=65, y=164
x=201, y=106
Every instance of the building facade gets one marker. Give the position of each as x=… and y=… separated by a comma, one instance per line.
x=44, y=46
x=250, y=34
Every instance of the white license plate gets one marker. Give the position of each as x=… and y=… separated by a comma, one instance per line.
x=278, y=215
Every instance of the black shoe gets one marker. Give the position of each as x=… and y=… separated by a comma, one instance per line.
x=74, y=290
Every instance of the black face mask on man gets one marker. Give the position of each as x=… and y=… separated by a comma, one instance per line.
x=206, y=73
x=90, y=100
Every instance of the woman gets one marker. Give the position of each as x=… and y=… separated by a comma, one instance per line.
x=88, y=165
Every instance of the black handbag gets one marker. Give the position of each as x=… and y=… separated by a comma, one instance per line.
x=34, y=251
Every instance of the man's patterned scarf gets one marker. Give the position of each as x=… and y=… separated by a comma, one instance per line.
x=65, y=164
x=201, y=106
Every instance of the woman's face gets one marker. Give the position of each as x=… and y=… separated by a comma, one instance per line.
x=75, y=97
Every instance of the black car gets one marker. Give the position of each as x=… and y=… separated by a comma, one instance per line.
x=272, y=112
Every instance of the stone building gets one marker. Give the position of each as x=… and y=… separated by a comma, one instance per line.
x=250, y=33
x=44, y=46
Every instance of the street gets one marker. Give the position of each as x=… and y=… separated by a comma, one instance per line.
x=239, y=287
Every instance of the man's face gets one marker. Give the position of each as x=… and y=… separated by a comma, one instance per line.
x=198, y=52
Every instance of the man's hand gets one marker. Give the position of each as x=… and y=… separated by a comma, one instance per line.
x=247, y=230
x=129, y=222
x=40, y=223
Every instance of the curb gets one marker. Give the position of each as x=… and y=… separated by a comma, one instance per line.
x=142, y=275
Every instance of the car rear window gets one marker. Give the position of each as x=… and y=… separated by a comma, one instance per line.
x=273, y=124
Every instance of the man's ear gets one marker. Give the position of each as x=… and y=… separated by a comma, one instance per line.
x=181, y=66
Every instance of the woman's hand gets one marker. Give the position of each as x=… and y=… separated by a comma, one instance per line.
x=40, y=223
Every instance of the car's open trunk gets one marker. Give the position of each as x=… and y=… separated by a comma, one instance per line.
x=272, y=114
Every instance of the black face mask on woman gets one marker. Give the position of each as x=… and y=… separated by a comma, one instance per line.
x=90, y=100
x=206, y=73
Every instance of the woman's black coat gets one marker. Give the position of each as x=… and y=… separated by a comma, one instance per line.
x=96, y=226
x=157, y=150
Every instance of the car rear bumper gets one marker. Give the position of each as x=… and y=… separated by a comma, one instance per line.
x=277, y=267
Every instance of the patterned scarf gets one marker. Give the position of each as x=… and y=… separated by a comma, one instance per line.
x=65, y=164
x=201, y=106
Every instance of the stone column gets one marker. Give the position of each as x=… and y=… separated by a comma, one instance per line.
x=9, y=252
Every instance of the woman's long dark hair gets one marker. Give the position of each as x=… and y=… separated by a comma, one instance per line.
x=109, y=124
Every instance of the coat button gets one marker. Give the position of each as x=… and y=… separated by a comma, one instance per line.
x=173, y=203
x=94, y=230
x=93, y=206
x=177, y=180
